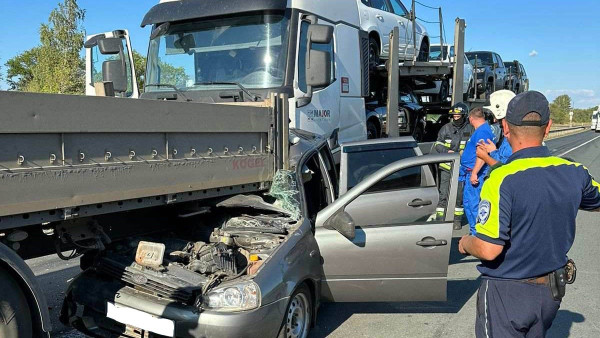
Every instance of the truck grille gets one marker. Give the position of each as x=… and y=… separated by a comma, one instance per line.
x=144, y=283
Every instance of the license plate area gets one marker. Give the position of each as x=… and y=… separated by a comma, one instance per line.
x=128, y=316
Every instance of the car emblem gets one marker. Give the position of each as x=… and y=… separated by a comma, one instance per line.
x=139, y=279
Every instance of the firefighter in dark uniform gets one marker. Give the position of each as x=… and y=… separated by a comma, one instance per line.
x=526, y=226
x=452, y=139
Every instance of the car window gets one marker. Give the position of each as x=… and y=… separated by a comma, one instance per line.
x=522, y=69
x=398, y=8
x=361, y=164
x=302, y=56
x=365, y=2
x=451, y=51
x=380, y=4
x=500, y=63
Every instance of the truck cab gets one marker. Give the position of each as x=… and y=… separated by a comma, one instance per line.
x=594, y=120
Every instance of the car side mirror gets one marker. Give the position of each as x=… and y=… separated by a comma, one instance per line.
x=114, y=71
x=343, y=223
x=318, y=63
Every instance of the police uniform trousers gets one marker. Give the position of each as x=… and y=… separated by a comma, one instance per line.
x=512, y=308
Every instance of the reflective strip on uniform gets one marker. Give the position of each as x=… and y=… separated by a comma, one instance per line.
x=440, y=211
x=445, y=166
x=447, y=145
x=459, y=211
x=491, y=188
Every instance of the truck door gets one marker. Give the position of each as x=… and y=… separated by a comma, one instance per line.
x=379, y=241
x=322, y=114
x=109, y=65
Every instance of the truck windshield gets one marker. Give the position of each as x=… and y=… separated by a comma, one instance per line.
x=435, y=53
x=483, y=59
x=220, y=53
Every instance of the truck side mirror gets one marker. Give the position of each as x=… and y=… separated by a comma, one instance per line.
x=318, y=63
x=108, y=46
x=115, y=72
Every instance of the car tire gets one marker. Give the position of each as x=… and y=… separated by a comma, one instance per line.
x=374, y=53
x=15, y=316
x=372, y=131
x=489, y=87
x=418, y=134
x=297, y=319
x=423, y=51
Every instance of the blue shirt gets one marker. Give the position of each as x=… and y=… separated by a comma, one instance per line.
x=469, y=156
x=503, y=153
x=529, y=206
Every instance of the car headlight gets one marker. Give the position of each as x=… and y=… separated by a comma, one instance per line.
x=480, y=70
x=233, y=297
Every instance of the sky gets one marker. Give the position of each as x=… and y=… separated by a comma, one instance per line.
x=557, y=41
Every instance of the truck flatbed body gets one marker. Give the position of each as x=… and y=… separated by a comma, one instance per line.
x=64, y=156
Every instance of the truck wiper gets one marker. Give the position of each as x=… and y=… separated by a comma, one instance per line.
x=246, y=91
x=179, y=91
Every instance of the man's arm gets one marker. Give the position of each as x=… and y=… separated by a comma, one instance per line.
x=478, y=165
x=487, y=158
x=440, y=146
x=471, y=245
x=591, y=194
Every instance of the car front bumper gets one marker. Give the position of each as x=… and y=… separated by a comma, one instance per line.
x=86, y=309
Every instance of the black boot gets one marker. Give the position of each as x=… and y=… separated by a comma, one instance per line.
x=457, y=223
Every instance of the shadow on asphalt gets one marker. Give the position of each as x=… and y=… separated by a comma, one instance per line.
x=456, y=257
x=54, y=285
x=561, y=327
x=333, y=315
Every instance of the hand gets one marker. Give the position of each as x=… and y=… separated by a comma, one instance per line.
x=474, y=179
x=461, y=245
x=488, y=145
x=450, y=151
x=481, y=152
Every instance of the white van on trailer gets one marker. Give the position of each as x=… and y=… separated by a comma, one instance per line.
x=595, y=119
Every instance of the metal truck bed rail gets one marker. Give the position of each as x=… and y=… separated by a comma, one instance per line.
x=63, y=156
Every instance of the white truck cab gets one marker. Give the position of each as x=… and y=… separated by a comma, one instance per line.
x=595, y=120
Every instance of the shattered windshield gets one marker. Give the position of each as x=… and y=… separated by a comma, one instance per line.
x=285, y=190
x=215, y=54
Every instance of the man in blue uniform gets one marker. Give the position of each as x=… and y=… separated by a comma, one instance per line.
x=493, y=153
x=472, y=169
x=526, y=227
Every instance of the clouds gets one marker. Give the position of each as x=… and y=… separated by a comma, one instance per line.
x=533, y=53
x=582, y=98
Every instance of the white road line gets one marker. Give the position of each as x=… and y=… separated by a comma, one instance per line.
x=579, y=146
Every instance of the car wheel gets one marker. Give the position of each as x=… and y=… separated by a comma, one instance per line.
x=15, y=316
x=418, y=134
x=489, y=88
x=469, y=92
x=374, y=53
x=423, y=52
x=298, y=317
x=372, y=132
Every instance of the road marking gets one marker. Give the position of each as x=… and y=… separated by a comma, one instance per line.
x=579, y=146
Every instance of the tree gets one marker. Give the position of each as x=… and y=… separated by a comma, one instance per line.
x=559, y=109
x=55, y=65
x=139, y=62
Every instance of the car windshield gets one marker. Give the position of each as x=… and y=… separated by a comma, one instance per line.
x=213, y=54
x=483, y=59
x=510, y=66
x=435, y=53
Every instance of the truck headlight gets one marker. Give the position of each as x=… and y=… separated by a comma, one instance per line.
x=233, y=297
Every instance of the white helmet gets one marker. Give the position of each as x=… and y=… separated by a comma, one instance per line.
x=499, y=102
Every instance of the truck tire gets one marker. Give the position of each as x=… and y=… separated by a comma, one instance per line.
x=15, y=317
x=298, y=315
x=374, y=53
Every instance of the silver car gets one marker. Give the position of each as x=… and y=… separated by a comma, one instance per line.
x=258, y=266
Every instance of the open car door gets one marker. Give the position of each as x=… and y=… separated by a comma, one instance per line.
x=109, y=66
x=372, y=248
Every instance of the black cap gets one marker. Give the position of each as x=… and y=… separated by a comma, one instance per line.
x=525, y=103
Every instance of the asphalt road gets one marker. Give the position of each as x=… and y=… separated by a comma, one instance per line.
x=579, y=315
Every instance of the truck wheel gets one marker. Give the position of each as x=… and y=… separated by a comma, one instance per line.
x=298, y=317
x=15, y=317
x=372, y=130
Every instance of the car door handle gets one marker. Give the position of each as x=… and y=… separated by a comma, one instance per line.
x=419, y=203
x=430, y=241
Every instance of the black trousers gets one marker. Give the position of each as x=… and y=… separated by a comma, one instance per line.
x=445, y=190
x=514, y=309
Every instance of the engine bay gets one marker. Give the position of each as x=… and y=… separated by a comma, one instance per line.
x=186, y=260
